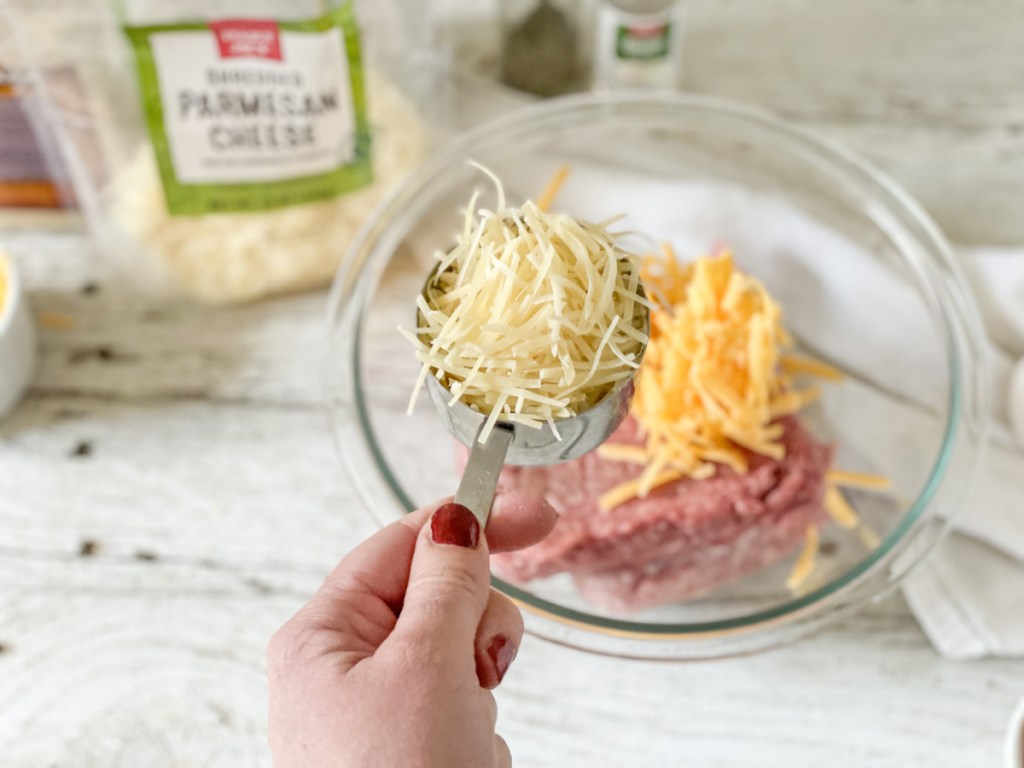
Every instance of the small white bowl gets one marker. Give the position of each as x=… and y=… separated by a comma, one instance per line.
x=17, y=339
x=1015, y=738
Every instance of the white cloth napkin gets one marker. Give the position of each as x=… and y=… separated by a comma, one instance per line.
x=969, y=595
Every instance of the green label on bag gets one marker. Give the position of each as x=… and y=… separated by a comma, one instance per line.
x=642, y=42
x=254, y=114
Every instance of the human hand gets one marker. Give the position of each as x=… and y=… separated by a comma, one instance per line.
x=392, y=661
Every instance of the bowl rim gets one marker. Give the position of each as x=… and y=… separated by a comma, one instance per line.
x=960, y=327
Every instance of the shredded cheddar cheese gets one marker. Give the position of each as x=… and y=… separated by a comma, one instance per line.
x=711, y=384
x=843, y=477
x=868, y=537
x=633, y=454
x=839, y=509
x=531, y=317
x=547, y=197
x=716, y=377
x=631, y=489
x=792, y=364
x=804, y=565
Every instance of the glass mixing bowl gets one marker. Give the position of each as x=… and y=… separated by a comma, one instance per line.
x=866, y=282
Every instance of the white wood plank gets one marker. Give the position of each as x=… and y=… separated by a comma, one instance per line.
x=867, y=693
x=177, y=680
x=190, y=481
x=120, y=344
x=134, y=681
x=167, y=652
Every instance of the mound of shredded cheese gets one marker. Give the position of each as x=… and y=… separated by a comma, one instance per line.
x=532, y=316
x=715, y=379
x=712, y=381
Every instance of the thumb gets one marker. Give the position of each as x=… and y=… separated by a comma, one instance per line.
x=449, y=582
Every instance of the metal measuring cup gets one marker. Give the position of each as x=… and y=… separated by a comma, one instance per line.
x=521, y=445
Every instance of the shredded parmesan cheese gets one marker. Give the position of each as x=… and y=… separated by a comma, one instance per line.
x=531, y=317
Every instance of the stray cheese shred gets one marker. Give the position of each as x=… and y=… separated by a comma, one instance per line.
x=629, y=490
x=868, y=537
x=547, y=197
x=532, y=317
x=712, y=381
x=804, y=565
x=3, y=282
x=843, y=477
x=839, y=509
x=793, y=364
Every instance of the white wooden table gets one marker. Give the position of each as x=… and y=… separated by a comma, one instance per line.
x=169, y=492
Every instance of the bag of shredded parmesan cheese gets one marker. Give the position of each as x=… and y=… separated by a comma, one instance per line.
x=232, y=148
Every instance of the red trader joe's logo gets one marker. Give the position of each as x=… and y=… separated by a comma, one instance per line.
x=247, y=38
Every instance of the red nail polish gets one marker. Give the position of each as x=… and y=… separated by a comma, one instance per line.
x=454, y=524
x=502, y=652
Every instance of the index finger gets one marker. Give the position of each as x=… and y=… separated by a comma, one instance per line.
x=379, y=567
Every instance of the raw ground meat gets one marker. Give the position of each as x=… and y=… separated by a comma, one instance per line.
x=685, y=538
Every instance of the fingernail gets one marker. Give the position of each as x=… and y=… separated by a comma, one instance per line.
x=502, y=652
x=454, y=524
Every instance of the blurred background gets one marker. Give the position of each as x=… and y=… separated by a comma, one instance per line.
x=928, y=90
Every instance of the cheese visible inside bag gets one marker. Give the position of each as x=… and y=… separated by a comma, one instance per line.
x=226, y=258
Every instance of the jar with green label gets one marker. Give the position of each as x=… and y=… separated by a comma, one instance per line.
x=638, y=44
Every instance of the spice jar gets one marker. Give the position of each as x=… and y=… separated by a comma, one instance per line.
x=541, y=45
x=638, y=44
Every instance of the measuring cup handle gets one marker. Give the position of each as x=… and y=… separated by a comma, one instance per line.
x=479, y=480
